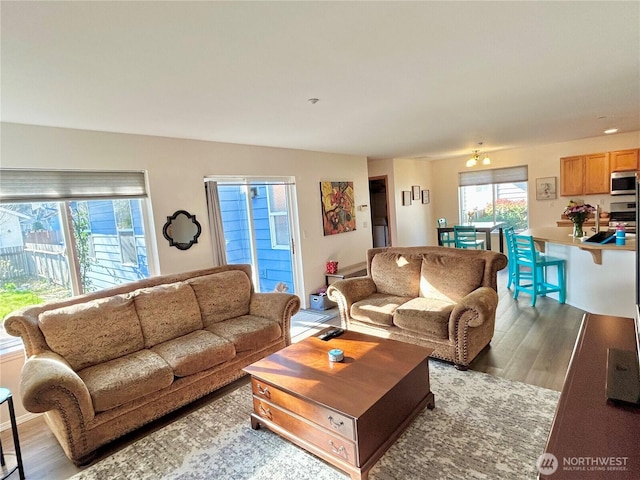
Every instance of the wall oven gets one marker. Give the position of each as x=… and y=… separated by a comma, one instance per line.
x=623, y=183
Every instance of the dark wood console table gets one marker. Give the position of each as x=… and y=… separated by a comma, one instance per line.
x=590, y=437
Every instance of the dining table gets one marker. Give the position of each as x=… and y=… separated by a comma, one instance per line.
x=483, y=227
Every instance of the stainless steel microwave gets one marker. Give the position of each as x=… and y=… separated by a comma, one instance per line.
x=623, y=183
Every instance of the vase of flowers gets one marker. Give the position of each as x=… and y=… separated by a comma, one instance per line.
x=578, y=214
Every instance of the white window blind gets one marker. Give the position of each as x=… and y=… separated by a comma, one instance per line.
x=22, y=185
x=493, y=176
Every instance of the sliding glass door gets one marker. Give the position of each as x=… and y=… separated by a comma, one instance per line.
x=257, y=227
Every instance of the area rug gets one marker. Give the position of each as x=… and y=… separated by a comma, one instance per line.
x=483, y=427
x=306, y=319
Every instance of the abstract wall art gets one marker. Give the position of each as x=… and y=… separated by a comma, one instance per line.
x=338, y=207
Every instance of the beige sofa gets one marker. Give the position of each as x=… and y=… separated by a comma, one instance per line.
x=442, y=298
x=103, y=364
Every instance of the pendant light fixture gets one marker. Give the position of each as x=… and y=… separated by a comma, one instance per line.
x=475, y=158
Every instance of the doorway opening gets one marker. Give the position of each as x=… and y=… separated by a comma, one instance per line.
x=379, y=201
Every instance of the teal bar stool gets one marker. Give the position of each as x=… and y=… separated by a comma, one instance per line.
x=509, y=232
x=533, y=279
x=5, y=396
x=467, y=237
x=445, y=237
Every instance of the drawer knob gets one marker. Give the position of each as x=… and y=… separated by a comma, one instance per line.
x=265, y=412
x=340, y=451
x=264, y=391
x=334, y=424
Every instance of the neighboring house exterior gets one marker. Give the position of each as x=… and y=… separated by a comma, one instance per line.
x=273, y=258
x=10, y=230
x=112, y=248
x=116, y=246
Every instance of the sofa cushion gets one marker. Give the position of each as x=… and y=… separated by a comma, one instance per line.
x=248, y=332
x=94, y=332
x=425, y=316
x=377, y=308
x=126, y=378
x=222, y=295
x=438, y=281
x=166, y=312
x=396, y=274
x=195, y=352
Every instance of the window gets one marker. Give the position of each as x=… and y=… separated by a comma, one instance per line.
x=278, y=216
x=124, y=225
x=495, y=195
x=67, y=233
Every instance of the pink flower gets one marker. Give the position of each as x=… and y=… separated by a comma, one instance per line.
x=578, y=213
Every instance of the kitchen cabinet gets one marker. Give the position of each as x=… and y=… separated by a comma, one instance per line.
x=571, y=176
x=625, y=160
x=597, y=174
x=585, y=174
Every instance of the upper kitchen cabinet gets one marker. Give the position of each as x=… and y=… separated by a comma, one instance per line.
x=597, y=174
x=585, y=175
x=625, y=160
x=571, y=176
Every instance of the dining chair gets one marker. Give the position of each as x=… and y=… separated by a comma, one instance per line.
x=531, y=271
x=467, y=237
x=446, y=239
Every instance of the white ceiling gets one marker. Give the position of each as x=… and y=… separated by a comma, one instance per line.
x=394, y=79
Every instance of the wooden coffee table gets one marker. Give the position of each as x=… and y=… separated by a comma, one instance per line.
x=346, y=413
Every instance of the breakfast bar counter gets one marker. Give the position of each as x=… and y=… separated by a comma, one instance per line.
x=600, y=278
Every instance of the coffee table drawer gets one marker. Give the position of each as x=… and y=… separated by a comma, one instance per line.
x=325, y=417
x=333, y=444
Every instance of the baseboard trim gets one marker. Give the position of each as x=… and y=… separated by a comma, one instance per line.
x=19, y=420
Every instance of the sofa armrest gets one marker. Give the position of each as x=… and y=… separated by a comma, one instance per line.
x=23, y=323
x=348, y=291
x=49, y=383
x=481, y=303
x=276, y=306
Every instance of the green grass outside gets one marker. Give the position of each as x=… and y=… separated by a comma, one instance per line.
x=11, y=300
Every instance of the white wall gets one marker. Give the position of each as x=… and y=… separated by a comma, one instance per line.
x=441, y=178
x=176, y=170
x=542, y=161
x=413, y=222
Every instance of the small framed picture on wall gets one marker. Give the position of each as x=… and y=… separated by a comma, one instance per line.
x=546, y=188
x=416, y=192
x=406, y=197
x=425, y=196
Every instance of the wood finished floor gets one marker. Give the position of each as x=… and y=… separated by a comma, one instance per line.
x=530, y=345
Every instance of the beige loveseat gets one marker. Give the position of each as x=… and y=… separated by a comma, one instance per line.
x=442, y=298
x=103, y=364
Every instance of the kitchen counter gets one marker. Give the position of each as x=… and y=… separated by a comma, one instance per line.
x=562, y=235
x=600, y=278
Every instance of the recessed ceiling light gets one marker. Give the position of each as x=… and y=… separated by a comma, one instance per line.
x=609, y=131
x=313, y=101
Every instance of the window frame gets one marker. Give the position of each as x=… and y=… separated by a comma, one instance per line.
x=493, y=178
x=65, y=187
x=272, y=221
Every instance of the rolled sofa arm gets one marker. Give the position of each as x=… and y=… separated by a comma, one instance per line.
x=482, y=302
x=49, y=383
x=348, y=291
x=23, y=323
x=472, y=322
x=276, y=306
